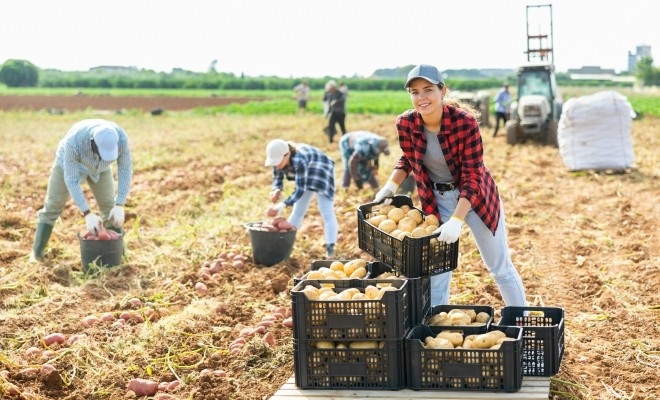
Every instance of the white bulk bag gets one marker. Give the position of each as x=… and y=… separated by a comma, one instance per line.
x=595, y=132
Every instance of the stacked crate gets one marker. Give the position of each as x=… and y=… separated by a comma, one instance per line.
x=347, y=343
x=415, y=259
x=543, y=337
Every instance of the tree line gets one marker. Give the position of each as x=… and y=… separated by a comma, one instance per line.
x=22, y=73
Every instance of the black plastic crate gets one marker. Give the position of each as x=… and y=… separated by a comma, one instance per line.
x=411, y=257
x=543, y=337
x=345, y=368
x=382, y=319
x=464, y=369
x=466, y=329
x=419, y=291
x=318, y=264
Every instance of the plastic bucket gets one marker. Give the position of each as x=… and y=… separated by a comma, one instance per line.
x=101, y=253
x=269, y=248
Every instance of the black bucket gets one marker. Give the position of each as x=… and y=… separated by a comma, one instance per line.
x=269, y=248
x=101, y=253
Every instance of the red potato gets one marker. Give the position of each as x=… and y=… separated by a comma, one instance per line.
x=265, y=323
x=76, y=337
x=143, y=387
x=269, y=339
x=103, y=235
x=90, y=320
x=54, y=338
x=288, y=322
x=200, y=287
x=107, y=317
x=173, y=385
x=32, y=352
x=134, y=302
x=113, y=235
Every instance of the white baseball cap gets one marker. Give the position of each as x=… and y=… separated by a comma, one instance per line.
x=275, y=152
x=107, y=141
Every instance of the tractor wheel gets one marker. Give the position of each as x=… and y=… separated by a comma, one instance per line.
x=512, y=132
x=551, y=136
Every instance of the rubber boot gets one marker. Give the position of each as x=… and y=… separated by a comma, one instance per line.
x=41, y=237
x=329, y=250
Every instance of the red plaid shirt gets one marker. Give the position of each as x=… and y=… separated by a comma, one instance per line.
x=460, y=141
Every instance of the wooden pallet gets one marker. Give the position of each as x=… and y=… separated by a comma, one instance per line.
x=532, y=388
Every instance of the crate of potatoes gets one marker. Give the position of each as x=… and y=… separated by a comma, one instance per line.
x=401, y=235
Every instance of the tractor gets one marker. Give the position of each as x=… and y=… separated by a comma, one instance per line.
x=536, y=110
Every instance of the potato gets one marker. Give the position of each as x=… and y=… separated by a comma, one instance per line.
x=407, y=224
x=383, y=209
x=431, y=219
x=396, y=214
x=418, y=232
x=482, y=317
x=363, y=344
x=359, y=273
x=337, y=266
x=416, y=215
x=376, y=220
x=143, y=387
x=372, y=292
x=325, y=344
x=454, y=337
x=387, y=226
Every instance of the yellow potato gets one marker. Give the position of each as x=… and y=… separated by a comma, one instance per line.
x=431, y=219
x=407, y=224
x=454, y=337
x=418, y=232
x=387, y=226
x=359, y=273
x=383, y=209
x=337, y=266
x=315, y=275
x=416, y=215
x=376, y=220
x=372, y=292
x=482, y=317
x=396, y=214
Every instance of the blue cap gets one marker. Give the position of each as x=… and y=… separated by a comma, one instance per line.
x=425, y=71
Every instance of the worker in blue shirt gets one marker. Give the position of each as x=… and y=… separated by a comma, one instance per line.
x=86, y=154
x=360, y=151
x=314, y=174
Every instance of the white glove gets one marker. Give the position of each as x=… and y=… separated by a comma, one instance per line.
x=450, y=230
x=116, y=216
x=94, y=223
x=386, y=191
x=276, y=209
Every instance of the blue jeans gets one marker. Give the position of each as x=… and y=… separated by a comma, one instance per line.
x=494, y=251
x=326, y=207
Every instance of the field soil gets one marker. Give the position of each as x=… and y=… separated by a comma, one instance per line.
x=60, y=104
x=190, y=294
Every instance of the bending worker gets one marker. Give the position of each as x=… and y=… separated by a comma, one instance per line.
x=86, y=154
x=360, y=151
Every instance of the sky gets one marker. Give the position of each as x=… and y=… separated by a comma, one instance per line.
x=311, y=38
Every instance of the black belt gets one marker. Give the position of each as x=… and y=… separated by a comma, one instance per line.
x=443, y=187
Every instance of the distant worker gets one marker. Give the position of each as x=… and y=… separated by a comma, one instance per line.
x=360, y=151
x=86, y=154
x=502, y=103
x=302, y=91
x=336, y=110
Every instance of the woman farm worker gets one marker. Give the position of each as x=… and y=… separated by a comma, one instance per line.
x=442, y=147
x=314, y=174
x=86, y=154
